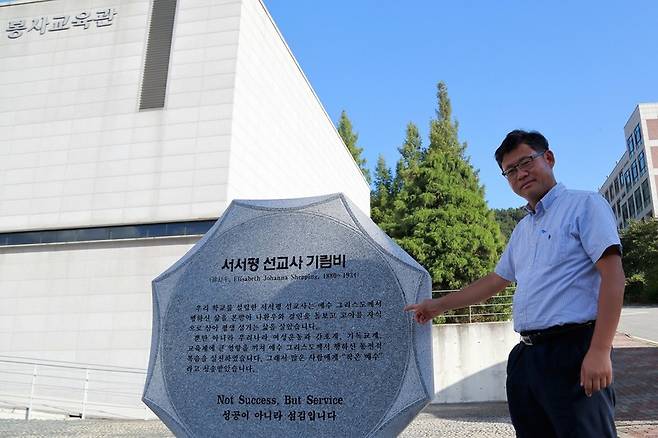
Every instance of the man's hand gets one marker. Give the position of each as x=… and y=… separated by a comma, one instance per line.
x=425, y=310
x=596, y=370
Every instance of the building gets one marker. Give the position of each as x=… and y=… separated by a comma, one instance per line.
x=631, y=187
x=126, y=128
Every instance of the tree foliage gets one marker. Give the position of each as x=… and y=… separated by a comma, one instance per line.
x=640, y=247
x=439, y=212
x=350, y=139
x=507, y=219
x=407, y=172
x=381, y=196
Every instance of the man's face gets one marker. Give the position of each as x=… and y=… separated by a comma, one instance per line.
x=535, y=179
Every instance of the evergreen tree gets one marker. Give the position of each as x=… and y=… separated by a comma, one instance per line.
x=448, y=227
x=407, y=171
x=411, y=154
x=381, y=195
x=507, y=219
x=350, y=138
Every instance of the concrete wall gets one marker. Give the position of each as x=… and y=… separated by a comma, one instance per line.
x=75, y=151
x=470, y=361
x=74, y=148
x=280, y=126
x=85, y=303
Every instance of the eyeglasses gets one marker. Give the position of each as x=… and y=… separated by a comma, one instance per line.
x=525, y=163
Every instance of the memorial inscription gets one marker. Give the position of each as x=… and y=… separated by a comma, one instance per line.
x=286, y=319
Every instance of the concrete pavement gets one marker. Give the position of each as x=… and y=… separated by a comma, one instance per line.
x=640, y=322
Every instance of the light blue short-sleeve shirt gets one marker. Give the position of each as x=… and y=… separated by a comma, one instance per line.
x=551, y=256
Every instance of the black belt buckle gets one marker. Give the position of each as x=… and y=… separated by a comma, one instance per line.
x=527, y=340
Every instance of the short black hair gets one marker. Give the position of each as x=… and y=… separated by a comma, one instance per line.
x=534, y=139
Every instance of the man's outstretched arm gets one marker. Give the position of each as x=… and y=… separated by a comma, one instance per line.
x=476, y=292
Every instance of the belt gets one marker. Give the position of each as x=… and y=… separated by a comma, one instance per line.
x=534, y=337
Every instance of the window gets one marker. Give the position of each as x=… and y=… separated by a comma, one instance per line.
x=642, y=162
x=616, y=186
x=618, y=210
x=637, y=133
x=624, y=213
x=627, y=180
x=631, y=207
x=607, y=194
x=106, y=233
x=634, y=172
x=646, y=191
x=621, y=180
x=638, y=200
x=630, y=145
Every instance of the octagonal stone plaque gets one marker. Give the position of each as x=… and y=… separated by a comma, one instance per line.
x=286, y=319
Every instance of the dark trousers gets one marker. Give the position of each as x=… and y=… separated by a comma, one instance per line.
x=544, y=394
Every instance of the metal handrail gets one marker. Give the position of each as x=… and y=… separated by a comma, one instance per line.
x=474, y=313
x=75, y=389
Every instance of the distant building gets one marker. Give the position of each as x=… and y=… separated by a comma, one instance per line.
x=631, y=187
x=126, y=129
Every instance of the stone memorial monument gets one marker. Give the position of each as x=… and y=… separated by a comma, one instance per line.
x=286, y=320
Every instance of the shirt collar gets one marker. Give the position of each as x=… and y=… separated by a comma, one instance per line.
x=548, y=199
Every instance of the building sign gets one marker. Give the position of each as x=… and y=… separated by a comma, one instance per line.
x=40, y=25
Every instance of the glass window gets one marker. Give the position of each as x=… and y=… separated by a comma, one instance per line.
x=631, y=207
x=87, y=234
x=176, y=229
x=637, y=133
x=107, y=233
x=66, y=236
x=634, y=172
x=616, y=186
x=630, y=145
x=200, y=227
x=24, y=238
x=642, y=162
x=128, y=232
x=638, y=200
x=49, y=236
x=155, y=230
x=627, y=180
x=624, y=213
x=646, y=191
x=618, y=209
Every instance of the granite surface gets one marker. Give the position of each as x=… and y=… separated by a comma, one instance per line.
x=286, y=319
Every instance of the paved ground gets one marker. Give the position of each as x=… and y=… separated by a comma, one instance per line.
x=640, y=321
x=636, y=380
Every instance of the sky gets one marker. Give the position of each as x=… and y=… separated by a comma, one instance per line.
x=573, y=70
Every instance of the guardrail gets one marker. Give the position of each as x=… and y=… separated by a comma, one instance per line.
x=71, y=390
x=496, y=308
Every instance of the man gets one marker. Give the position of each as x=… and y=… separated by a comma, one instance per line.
x=565, y=257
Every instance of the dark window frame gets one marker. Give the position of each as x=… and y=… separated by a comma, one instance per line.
x=639, y=204
x=118, y=232
x=642, y=162
x=646, y=191
x=637, y=134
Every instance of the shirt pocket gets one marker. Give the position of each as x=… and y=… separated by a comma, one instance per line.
x=552, y=247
